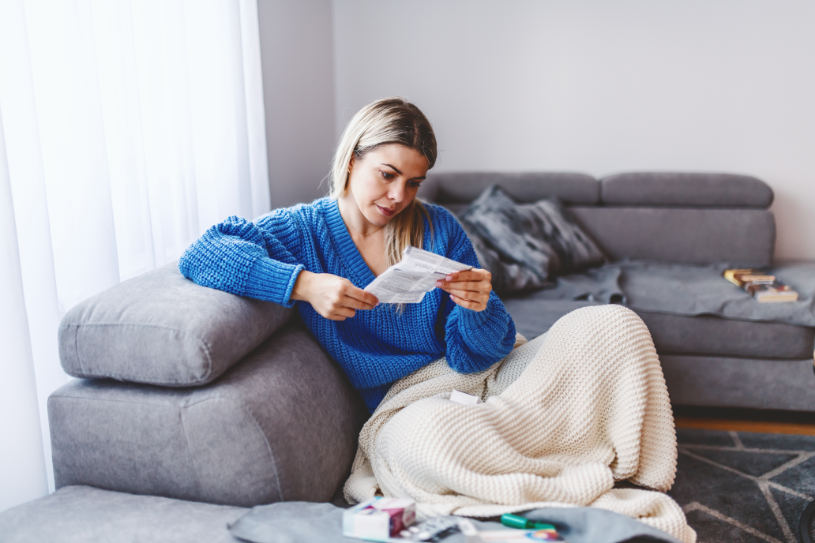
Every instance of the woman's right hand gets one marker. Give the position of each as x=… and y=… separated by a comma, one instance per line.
x=331, y=296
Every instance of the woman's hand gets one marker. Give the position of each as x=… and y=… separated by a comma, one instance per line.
x=331, y=296
x=468, y=288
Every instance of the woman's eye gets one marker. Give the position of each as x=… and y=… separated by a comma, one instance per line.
x=414, y=184
x=387, y=175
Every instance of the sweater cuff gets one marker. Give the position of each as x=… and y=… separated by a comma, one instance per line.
x=476, y=319
x=493, y=318
x=272, y=280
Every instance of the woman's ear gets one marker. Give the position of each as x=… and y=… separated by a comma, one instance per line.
x=348, y=174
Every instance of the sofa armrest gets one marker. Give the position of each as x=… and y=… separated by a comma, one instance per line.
x=160, y=328
x=281, y=425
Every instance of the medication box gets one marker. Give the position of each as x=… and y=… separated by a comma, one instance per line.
x=378, y=519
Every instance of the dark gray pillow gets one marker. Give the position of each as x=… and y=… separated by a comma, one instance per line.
x=526, y=245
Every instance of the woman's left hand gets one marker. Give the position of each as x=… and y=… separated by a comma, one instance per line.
x=468, y=288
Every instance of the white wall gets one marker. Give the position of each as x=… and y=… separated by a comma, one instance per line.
x=298, y=90
x=600, y=86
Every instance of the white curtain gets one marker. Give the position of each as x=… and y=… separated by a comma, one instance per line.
x=127, y=127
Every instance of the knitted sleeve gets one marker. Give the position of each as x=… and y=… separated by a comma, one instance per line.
x=247, y=258
x=474, y=339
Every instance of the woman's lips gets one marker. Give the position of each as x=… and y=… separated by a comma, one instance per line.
x=387, y=212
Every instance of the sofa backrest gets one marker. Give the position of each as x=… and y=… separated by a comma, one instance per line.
x=687, y=217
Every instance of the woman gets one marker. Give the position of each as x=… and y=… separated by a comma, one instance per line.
x=559, y=420
x=320, y=256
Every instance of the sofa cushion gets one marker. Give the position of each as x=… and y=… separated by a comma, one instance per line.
x=456, y=189
x=743, y=237
x=752, y=383
x=524, y=245
x=716, y=336
x=534, y=316
x=685, y=189
x=79, y=514
x=680, y=334
x=281, y=425
x=161, y=328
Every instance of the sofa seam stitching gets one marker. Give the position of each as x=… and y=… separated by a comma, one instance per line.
x=116, y=376
x=260, y=431
x=76, y=349
x=62, y=396
x=181, y=415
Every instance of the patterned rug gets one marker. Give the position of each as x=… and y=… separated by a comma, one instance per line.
x=744, y=487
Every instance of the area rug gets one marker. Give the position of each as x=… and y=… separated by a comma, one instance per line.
x=744, y=487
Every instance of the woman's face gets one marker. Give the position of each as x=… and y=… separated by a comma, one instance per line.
x=384, y=181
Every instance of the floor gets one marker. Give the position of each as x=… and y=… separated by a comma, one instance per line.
x=746, y=421
x=752, y=488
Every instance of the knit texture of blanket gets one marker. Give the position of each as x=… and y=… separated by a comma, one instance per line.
x=562, y=418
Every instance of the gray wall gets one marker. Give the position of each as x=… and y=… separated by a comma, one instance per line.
x=298, y=89
x=590, y=85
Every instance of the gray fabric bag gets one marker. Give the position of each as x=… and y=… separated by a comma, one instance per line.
x=296, y=522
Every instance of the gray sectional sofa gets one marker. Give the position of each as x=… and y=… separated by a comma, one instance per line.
x=668, y=236
x=186, y=394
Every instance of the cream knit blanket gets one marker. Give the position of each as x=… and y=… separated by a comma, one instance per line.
x=563, y=417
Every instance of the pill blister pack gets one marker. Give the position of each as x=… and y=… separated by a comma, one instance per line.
x=431, y=530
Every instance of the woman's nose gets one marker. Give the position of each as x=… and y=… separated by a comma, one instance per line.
x=396, y=192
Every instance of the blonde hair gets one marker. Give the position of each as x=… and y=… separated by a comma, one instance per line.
x=388, y=120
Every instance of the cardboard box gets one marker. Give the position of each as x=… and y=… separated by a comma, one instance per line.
x=378, y=519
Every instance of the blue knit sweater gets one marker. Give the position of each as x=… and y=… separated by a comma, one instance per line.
x=262, y=259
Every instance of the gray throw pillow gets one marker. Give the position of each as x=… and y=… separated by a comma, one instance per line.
x=162, y=329
x=525, y=246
